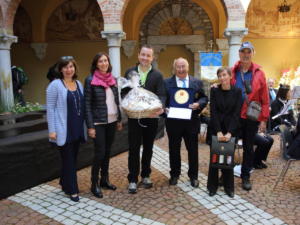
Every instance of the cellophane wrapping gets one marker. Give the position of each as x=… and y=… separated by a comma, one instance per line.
x=139, y=102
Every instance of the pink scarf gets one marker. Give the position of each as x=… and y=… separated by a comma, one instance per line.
x=103, y=79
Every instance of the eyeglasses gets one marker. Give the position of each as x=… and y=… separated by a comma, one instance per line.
x=66, y=57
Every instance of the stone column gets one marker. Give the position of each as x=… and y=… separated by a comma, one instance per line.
x=114, y=39
x=195, y=49
x=6, y=90
x=234, y=36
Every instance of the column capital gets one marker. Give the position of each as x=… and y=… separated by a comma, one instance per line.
x=158, y=48
x=39, y=49
x=223, y=45
x=235, y=35
x=6, y=41
x=129, y=47
x=114, y=38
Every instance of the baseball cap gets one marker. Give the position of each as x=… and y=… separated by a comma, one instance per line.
x=245, y=45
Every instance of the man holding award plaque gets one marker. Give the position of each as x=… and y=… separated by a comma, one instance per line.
x=185, y=100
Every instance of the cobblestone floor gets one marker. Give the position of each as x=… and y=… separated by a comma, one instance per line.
x=162, y=204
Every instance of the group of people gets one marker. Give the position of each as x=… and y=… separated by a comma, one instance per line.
x=70, y=108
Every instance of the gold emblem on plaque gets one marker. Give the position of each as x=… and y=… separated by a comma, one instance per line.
x=181, y=96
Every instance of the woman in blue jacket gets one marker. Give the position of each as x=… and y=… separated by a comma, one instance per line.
x=65, y=116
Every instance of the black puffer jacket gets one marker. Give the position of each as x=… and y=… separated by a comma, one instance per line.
x=95, y=103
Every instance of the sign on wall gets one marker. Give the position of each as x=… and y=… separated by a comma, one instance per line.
x=210, y=62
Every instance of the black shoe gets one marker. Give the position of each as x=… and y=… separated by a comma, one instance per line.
x=263, y=165
x=246, y=184
x=257, y=166
x=104, y=183
x=195, y=183
x=260, y=165
x=96, y=190
x=230, y=193
x=173, y=180
x=212, y=193
x=74, y=198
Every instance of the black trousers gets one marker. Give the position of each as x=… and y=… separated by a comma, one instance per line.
x=264, y=144
x=188, y=130
x=213, y=179
x=294, y=149
x=249, y=129
x=105, y=134
x=137, y=135
x=68, y=178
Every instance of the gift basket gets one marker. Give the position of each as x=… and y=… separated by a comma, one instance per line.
x=139, y=102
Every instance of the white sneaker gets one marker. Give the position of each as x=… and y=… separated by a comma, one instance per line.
x=132, y=188
x=146, y=182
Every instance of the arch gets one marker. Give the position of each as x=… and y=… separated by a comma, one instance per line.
x=22, y=25
x=236, y=12
x=75, y=20
x=132, y=21
x=9, y=14
x=187, y=12
x=1, y=19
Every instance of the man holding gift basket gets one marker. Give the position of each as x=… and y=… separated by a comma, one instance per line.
x=250, y=78
x=141, y=129
x=185, y=100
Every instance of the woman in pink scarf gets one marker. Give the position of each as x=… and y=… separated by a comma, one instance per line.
x=103, y=117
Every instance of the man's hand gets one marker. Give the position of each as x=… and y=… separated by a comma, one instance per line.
x=194, y=106
x=156, y=113
x=52, y=136
x=92, y=132
x=119, y=126
x=220, y=136
x=262, y=127
x=227, y=136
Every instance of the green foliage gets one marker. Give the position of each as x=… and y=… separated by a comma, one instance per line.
x=29, y=107
x=2, y=108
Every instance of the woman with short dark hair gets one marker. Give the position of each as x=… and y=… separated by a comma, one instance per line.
x=103, y=116
x=283, y=95
x=225, y=107
x=65, y=109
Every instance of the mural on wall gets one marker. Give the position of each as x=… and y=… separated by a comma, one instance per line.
x=22, y=26
x=175, y=26
x=176, y=17
x=265, y=21
x=75, y=20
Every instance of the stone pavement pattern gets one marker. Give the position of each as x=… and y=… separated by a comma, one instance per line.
x=181, y=204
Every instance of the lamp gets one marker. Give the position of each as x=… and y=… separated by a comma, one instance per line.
x=284, y=7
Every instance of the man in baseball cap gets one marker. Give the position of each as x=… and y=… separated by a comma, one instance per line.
x=246, y=45
x=245, y=71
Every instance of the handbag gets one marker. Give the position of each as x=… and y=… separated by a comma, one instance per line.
x=253, y=107
x=222, y=153
x=253, y=110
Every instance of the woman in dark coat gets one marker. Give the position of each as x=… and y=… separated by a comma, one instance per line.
x=225, y=107
x=103, y=117
x=283, y=95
